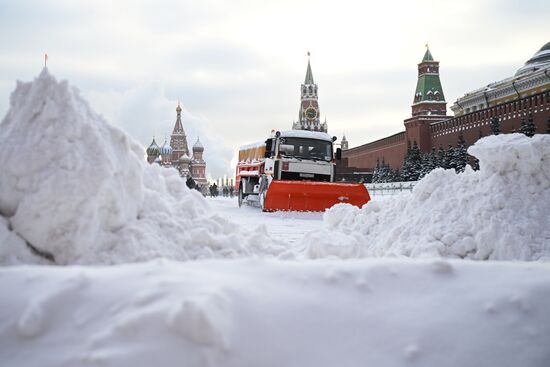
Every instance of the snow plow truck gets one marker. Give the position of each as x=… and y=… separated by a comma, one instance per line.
x=294, y=171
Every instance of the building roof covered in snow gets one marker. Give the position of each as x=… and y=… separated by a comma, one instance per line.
x=197, y=147
x=539, y=60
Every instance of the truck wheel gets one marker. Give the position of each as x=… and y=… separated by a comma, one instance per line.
x=263, y=192
x=261, y=199
x=240, y=195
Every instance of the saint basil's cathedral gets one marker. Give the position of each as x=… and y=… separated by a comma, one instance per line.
x=176, y=155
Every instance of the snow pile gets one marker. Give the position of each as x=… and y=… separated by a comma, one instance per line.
x=381, y=312
x=78, y=190
x=499, y=212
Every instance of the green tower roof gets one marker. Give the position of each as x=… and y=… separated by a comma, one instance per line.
x=428, y=55
x=428, y=88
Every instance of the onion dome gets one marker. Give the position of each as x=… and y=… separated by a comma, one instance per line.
x=197, y=147
x=540, y=59
x=185, y=159
x=166, y=148
x=178, y=109
x=153, y=149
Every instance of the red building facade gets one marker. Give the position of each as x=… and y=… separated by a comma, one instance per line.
x=523, y=96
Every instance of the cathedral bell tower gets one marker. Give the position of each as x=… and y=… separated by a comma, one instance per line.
x=178, y=140
x=309, y=117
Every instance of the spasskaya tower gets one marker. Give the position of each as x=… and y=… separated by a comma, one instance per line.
x=309, y=117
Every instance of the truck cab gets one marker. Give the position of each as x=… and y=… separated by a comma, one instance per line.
x=300, y=155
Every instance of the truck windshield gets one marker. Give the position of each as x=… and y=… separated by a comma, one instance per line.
x=306, y=148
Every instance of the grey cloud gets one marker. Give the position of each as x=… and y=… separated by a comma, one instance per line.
x=214, y=55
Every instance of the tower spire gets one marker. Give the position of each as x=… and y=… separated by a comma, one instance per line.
x=309, y=74
x=178, y=139
x=428, y=55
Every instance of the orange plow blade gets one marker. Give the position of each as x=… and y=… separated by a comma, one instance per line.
x=313, y=196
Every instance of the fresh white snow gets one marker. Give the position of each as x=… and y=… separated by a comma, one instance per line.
x=287, y=227
x=240, y=313
x=77, y=190
x=499, y=212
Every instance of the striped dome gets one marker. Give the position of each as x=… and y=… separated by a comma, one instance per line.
x=165, y=149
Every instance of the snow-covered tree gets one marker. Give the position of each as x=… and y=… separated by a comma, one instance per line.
x=384, y=173
x=450, y=161
x=376, y=171
x=412, y=165
x=406, y=169
x=441, y=157
x=429, y=163
x=461, y=154
x=475, y=163
x=416, y=160
x=495, y=126
x=530, y=129
x=396, y=175
x=522, y=126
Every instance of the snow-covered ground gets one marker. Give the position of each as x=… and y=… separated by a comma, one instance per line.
x=241, y=288
x=289, y=227
x=498, y=213
x=248, y=313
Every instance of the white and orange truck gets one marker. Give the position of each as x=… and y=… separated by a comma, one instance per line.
x=294, y=170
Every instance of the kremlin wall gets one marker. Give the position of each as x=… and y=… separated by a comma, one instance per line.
x=520, y=97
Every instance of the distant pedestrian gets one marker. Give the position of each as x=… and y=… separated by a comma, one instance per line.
x=191, y=183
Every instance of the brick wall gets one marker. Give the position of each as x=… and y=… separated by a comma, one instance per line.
x=432, y=133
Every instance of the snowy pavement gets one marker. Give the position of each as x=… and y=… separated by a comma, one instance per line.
x=289, y=227
x=272, y=313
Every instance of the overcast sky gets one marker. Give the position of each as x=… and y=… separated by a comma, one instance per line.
x=237, y=66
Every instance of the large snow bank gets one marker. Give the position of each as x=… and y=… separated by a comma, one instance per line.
x=382, y=312
x=78, y=189
x=499, y=212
